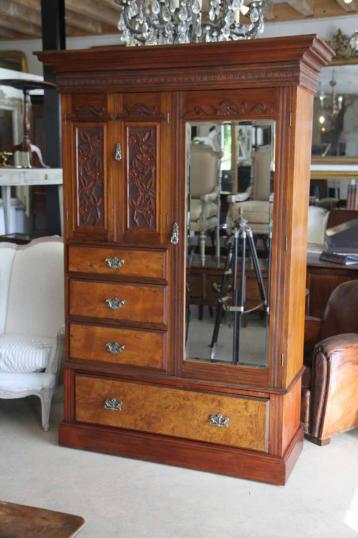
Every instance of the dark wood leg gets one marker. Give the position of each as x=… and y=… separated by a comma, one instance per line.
x=316, y=441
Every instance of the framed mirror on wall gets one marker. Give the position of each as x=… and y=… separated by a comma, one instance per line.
x=229, y=179
x=13, y=59
x=335, y=124
x=334, y=169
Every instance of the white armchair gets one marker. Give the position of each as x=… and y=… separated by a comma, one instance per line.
x=31, y=320
x=317, y=224
x=204, y=192
x=257, y=210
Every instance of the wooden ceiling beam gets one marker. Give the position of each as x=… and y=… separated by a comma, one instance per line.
x=85, y=24
x=93, y=10
x=347, y=7
x=112, y=4
x=269, y=12
x=28, y=29
x=31, y=4
x=19, y=13
x=7, y=34
x=322, y=9
x=305, y=7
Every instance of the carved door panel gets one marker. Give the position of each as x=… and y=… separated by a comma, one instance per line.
x=145, y=212
x=88, y=192
x=142, y=175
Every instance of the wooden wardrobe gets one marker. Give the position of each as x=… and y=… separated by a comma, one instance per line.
x=130, y=388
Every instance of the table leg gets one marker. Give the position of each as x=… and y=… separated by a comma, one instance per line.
x=6, y=199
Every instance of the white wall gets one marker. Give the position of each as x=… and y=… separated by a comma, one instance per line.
x=324, y=27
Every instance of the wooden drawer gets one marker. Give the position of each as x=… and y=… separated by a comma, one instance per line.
x=118, y=262
x=118, y=346
x=174, y=412
x=130, y=302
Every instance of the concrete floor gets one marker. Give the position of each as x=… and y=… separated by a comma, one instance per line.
x=123, y=498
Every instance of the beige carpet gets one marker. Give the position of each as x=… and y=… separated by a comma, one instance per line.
x=122, y=498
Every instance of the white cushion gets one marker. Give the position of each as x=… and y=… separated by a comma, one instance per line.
x=23, y=353
x=17, y=383
x=7, y=253
x=36, y=294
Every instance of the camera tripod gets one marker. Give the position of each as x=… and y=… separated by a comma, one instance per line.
x=241, y=236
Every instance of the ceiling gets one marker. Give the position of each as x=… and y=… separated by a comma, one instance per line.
x=21, y=19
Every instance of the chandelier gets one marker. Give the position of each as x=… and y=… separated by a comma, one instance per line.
x=162, y=22
x=330, y=105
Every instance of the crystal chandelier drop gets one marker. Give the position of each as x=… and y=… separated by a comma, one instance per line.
x=162, y=22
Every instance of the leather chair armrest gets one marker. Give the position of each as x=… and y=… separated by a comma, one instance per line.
x=334, y=386
x=312, y=330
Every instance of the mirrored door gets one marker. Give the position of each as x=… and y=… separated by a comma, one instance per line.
x=229, y=178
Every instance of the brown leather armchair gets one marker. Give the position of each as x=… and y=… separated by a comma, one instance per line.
x=330, y=378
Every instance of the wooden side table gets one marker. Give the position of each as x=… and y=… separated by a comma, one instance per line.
x=19, y=521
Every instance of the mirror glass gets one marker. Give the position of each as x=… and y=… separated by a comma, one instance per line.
x=335, y=124
x=6, y=129
x=229, y=177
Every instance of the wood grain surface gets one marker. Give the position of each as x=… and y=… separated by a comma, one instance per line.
x=179, y=413
x=142, y=303
x=142, y=103
x=142, y=348
x=137, y=263
x=214, y=458
x=19, y=521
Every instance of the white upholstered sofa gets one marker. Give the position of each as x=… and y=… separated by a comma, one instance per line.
x=31, y=320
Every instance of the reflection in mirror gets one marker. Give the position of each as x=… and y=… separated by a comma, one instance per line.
x=335, y=124
x=230, y=168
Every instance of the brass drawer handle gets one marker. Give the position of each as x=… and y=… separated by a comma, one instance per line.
x=115, y=347
x=114, y=303
x=112, y=404
x=114, y=263
x=219, y=420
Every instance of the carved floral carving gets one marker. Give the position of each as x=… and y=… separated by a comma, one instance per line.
x=141, y=177
x=90, y=176
x=140, y=109
x=78, y=81
x=231, y=108
x=88, y=112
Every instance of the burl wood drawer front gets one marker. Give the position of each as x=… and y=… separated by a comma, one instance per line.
x=118, y=346
x=118, y=262
x=118, y=302
x=226, y=420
